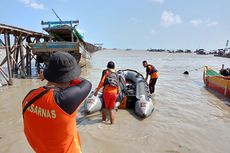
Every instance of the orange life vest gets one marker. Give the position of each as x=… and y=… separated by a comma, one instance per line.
x=153, y=71
x=47, y=127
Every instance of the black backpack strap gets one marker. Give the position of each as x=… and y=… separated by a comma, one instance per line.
x=103, y=73
x=34, y=99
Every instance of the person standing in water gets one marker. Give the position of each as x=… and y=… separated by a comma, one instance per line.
x=110, y=82
x=152, y=71
x=49, y=112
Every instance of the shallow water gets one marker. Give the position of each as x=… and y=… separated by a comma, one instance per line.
x=188, y=117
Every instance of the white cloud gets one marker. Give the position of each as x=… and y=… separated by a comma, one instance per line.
x=158, y=1
x=168, y=19
x=199, y=22
x=212, y=23
x=33, y=4
x=196, y=22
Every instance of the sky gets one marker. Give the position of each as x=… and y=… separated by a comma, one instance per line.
x=135, y=24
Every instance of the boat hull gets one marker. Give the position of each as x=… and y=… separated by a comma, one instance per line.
x=45, y=49
x=93, y=103
x=217, y=82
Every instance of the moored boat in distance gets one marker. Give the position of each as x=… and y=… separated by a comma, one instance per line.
x=216, y=81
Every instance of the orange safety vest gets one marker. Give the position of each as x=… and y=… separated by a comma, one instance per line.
x=47, y=127
x=153, y=74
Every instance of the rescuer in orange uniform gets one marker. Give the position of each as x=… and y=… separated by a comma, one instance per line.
x=110, y=82
x=49, y=112
x=153, y=72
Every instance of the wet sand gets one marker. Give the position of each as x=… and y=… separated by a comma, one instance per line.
x=11, y=122
x=188, y=117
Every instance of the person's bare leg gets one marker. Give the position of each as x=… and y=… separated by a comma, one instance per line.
x=112, y=117
x=103, y=114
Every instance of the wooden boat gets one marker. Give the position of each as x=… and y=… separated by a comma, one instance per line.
x=216, y=81
x=63, y=37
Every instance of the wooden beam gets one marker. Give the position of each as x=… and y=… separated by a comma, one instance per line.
x=13, y=59
x=2, y=42
x=15, y=30
x=4, y=74
x=3, y=71
x=17, y=52
x=10, y=81
x=22, y=57
x=14, y=52
x=9, y=48
x=28, y=60
x=37, y=39
x=5, y=59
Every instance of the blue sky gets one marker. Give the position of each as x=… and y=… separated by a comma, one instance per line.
x=137, y=24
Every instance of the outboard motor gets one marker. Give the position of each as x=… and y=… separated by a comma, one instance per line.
x=225, y=72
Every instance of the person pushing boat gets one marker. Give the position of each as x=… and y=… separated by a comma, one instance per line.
x=110, y=82
x=153, y=72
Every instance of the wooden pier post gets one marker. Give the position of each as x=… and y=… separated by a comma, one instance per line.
x=7, y=48
x=22, y=71
x=14, y=50
x=28, y=58
x=17, y=53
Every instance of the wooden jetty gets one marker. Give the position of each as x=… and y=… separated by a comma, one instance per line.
x=22, y=46
x=18, y=55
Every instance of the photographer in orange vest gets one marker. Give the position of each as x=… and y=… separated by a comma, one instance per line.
x=50, y=111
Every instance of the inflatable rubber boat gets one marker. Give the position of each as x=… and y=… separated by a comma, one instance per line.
x=93, y=103
x=134, y=95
